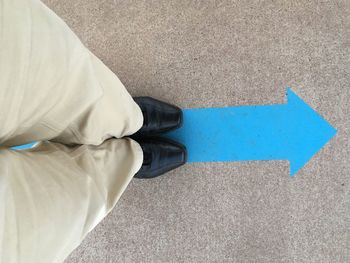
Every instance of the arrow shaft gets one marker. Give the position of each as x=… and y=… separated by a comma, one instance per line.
x=234, y=133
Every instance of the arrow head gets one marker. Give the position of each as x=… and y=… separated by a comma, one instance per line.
x=307, y=132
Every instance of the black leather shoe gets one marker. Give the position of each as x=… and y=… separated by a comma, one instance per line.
x=158, y=116
x=160, y=155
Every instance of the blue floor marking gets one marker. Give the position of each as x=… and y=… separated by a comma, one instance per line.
x=291, y=131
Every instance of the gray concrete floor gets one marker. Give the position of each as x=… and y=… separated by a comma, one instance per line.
x=218, y=53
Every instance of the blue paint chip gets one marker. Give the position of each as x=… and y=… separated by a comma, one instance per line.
x=24, y=146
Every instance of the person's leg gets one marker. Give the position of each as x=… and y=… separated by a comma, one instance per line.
x=114, y=114
x=52, y=87
x=51, y=196
x=50, y=84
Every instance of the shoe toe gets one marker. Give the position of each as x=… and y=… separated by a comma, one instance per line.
x=171, y=119
x=166, y=156
x=159, y=116
x=176, y=155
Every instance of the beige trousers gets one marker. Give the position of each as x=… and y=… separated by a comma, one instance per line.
x=52, y=89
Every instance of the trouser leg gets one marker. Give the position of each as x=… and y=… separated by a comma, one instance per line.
x=51, y=86
x=115, y=114
x=51, y=196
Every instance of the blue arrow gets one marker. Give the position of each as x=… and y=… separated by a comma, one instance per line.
x=291, y=131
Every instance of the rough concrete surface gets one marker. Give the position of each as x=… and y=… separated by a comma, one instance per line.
x=218, y=53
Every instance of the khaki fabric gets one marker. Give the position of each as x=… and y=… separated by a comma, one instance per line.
x=54, y=90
